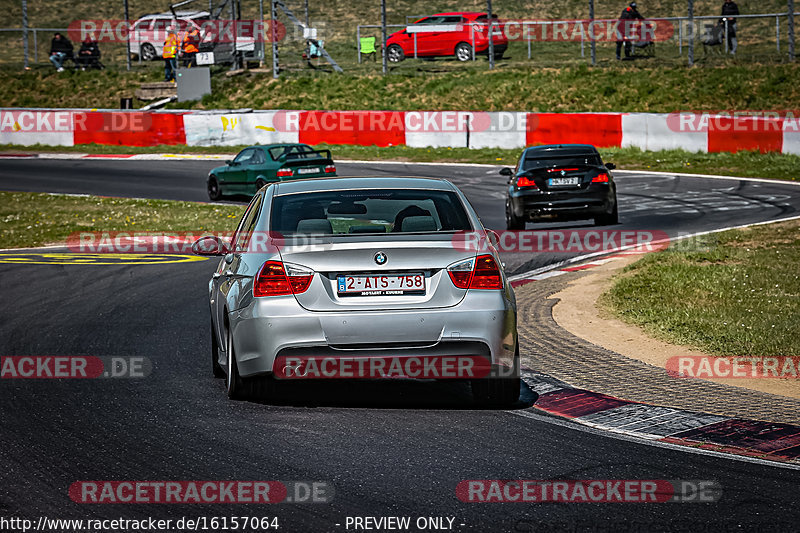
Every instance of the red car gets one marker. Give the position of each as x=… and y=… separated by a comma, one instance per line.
x=447, y=34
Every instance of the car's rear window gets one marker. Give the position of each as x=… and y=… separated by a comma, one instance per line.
x=358, y=211
x=297, y=151
x=565, y=161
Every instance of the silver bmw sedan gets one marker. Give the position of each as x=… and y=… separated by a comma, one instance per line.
x=362, y=278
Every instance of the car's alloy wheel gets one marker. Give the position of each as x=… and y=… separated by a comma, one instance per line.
x=214, y=191
x=513, y=222
x=463, y=52
x=395, y=54
x=215, y=368
x=148, y=52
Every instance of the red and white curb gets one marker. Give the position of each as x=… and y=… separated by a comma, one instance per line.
x=517, y=281
x=127, y=157
x=767, y=441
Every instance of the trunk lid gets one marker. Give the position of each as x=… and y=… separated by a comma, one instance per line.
x=334, y=259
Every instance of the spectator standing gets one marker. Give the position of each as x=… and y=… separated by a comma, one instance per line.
x=191, y=45
x=729, y=9
x=629, y=13
x=170, y=54
x=60, y=51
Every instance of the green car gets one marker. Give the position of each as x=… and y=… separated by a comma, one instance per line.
x=255, y=166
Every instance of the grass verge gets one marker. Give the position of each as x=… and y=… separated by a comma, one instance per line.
x=33, y=219
x=743, y=164
x=577, y=88
x=740, y=297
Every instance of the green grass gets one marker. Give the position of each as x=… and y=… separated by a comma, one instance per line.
x=742, y=164
x=624, y=88
x=739, y=298
x=33, y=219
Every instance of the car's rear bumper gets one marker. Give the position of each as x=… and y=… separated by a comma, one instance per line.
x=576, y=205
x=482, y=325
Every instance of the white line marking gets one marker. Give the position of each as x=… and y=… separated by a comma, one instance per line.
x=708, y=176
x=580, y=258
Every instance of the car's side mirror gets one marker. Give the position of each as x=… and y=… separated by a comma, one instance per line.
x=611, y=166
x=210, y=245
x=505, y=171
x=228, y=162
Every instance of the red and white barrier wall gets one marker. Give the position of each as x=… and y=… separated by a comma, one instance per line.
x=694, y=132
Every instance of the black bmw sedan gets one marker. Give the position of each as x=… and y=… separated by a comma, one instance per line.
x=560, y=182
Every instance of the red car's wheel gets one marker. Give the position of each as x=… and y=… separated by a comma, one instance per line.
x=395, y=54
x=463, y=52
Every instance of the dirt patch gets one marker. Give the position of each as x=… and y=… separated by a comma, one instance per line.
x=578, y=312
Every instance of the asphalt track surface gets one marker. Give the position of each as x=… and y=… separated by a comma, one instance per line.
x=388, y=449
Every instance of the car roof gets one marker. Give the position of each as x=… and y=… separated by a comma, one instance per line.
x=549, y=150
x=276, y=145
x=462, y=13
x=179, y=14
x=368, y=182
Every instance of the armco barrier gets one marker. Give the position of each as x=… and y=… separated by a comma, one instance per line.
x=600, y=129
x=473, y=129
x=218, y=128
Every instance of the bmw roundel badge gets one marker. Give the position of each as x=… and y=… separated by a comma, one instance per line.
x=381, y=258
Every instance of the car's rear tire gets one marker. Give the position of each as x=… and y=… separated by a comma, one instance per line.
x=214, y=190
x=260, y=183
x=148, y=52
x=395, y=54
x=498, y=391
x=608, y=219
x=463, y=52
x=513, y=222
x=499, y=55
x=216, y=369
x=235, y=385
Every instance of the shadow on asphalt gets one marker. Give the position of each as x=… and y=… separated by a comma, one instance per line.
x=383, y=394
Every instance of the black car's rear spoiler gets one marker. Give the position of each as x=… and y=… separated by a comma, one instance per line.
x=314, y=157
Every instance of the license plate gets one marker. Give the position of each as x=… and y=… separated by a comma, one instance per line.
x=556, y=182
x=308, y=170
x=381, y=285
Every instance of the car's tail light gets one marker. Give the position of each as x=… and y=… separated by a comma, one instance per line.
x=479, y=273
x=330, y=169
x=487, y=274
x=522, y=181
x=278, y=279
x=600, y=178
x=564, y=169
x=285, y=172
x=461, y=273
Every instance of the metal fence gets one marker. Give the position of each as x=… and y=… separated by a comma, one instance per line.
x=763, y=35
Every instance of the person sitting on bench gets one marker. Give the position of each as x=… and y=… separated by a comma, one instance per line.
x=60, y=51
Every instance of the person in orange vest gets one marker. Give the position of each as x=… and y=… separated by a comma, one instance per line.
x=191, y=45
x=170, y=53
